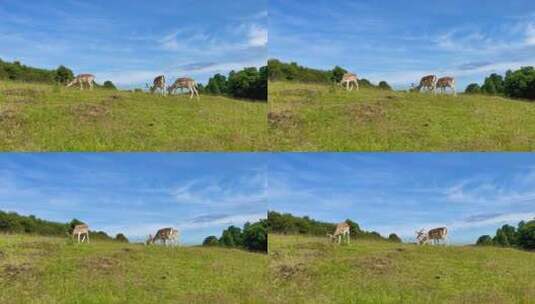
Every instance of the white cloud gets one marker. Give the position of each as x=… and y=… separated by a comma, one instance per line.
x=530, y=34
x=258, y=36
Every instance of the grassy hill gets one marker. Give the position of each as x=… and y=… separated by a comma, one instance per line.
x=316, y=117
x=54, y=270
x=312, y=270
x=39, y=117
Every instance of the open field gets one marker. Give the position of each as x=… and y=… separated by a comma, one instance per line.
x=313, y=117
x=54, y=270
x=36, y=117
x=312, y=270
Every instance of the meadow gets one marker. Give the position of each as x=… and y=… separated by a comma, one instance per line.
x=40, y=117
x=55, y=270
x=316, y=117
x=313, y=270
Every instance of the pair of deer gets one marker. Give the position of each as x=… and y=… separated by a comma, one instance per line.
x=164, y=235
x=431, y=82
x=180, y=83
x=434, y=235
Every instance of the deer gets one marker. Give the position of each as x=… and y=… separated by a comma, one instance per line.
x=434, y=235
x=184, y=83
x=157, y=84
x=350, y=79
x=342, y=231
x=164, y=235
x=428, y=82
x=446, y=82
x=79, y=230
x=81, y=80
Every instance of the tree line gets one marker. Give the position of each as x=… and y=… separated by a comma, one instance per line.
x=281, y=71
x=12, y=222
x=515, y=84
x=286, y=223
x=252, y=237
x=249, y=83
x=523, y=236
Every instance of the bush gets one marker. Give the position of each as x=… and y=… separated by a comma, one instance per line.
x=109, y=85
x=383, y=85
x=63, y=75
x=121, y=238
x=484, y=240
x=394, y=238
x=255, y=236
x=473, y=88
x=507, y=236
x=520, y=83
x=526, y=235
x=210, y=241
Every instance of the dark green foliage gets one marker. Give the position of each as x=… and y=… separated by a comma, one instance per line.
x=14, y=223
x=288, y=224
x=19, y=72
x=520, y=83
x=337, y=74
x=394, y=238
x=210, y=241
x=252, y=237
x=383, y=85
x=249, y=83
x=473, y=88
x=121, y=238
x=493, y=85
x=109, y=85
x=217, y=85
x=63, y=75
x=507, y=236
x=484, y=240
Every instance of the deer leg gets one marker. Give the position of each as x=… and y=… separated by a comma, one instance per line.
x=78, y=237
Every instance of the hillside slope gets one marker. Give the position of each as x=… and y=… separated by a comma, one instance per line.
x=312, y=270
x=35, y=117
x=53, y=270
x=323, y=118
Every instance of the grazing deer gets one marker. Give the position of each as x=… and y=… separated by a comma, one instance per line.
x=427, y=82
x=184, y=83
x=349, y=80
x=446, y=82
x=342, y=232
x=157, y=84
x=81, y=80
x=79, y=230
x=164, y=235
x=435, y=235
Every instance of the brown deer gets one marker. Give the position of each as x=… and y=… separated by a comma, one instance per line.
x=446, y=82
x=435, y=235
x=349, y=80
x=428, y=82
x=342, y=231
x=157, y=84
x=81, y=80
x=79, y=230
x=164, y=235
x=184, y=83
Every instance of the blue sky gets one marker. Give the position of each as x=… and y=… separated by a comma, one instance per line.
x=472, y=194
x=131, y=42
x=400, y=41
x=200, y=194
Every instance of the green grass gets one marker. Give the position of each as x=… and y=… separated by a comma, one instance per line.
x=313, y=270
x=312, y=117
x=54, y=270
x=35, y=117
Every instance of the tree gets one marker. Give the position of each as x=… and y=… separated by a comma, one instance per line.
x=255, y=236
x=63, y=75
x=493, y=85
x=394, y=238
x=337, y=74
x=217, y=85
x=121, y=238
x=520, y=83
x=383, y=85
x=526, y=235
x=484, y=240
x=109, y=85
x=210, y=241
x=354, y=229
x=505, y=236
x=473, y=88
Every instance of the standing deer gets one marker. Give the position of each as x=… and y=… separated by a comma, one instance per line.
x=81, y=80
x=157, y=84
x=446, y=82
x=342, y=232
x=435, y=235
x=164, y=235
x=184, y=83
x=427, y=82
x=79, y=230
x=349, y=80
